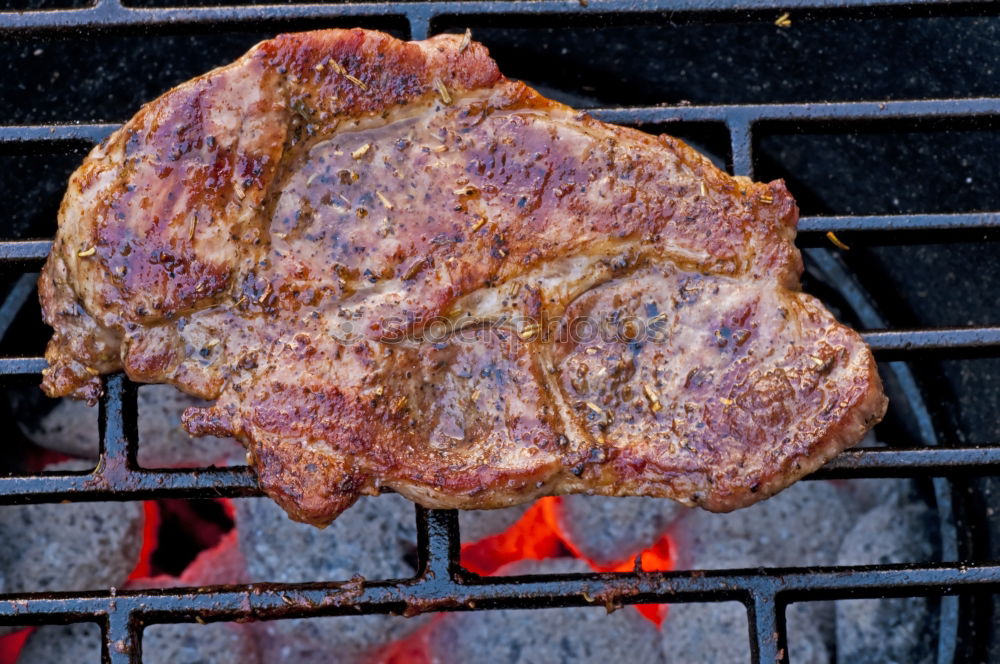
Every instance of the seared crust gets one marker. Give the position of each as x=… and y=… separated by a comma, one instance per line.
x=375, y=255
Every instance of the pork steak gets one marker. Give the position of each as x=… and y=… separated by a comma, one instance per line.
x=391, y=266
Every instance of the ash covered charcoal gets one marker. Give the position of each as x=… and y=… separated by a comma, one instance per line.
x=809, y=630
x=801, y=526
x=477, y=524
x=900, y=630
x=163, y=442
x=68, y=547
x=59, y=644
x=864, y=495
x=718, y=632
x=191, y=643
x=341, y=639
x=71, y=427
x=376, y=539
x=72, y=546
x=187, y=643
x=711, y=632
x=610, y=530
x=555, y=636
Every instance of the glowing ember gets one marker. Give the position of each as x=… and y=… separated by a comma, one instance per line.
x=150, y=528
x=223, y=563
x=11, y=644
x=657, y=558
x=215, y=559
x=413, y=649
x=537, y=536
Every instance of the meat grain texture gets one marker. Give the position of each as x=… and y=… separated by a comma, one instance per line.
x=390, y=266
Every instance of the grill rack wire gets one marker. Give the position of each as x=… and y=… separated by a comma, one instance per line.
x=440, y=583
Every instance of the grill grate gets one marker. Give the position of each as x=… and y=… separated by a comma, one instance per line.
x=440, y=583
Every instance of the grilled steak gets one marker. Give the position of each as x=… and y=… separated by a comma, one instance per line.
x=393, y=267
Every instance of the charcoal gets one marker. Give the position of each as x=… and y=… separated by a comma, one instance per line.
x=222, y=564
x=342, y=639
x=163, y=443
x=72, y=546
x=376, y=538
x=191, y=643
x=887, y=631
x=477, y=524
x=71, y=427
x=612, y=530
x=577, y=635
x=713, y=632
x=717, y=632
x=801, y=526
x=62, y=644
x=810, y=632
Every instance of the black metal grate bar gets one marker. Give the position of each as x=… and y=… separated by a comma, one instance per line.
x=767, y=625
x=122, y=638
x=107, y=14
x=912, y=462
x=36, y=251
x=897, y=342
x=464, y=591
x=885, y=343
x=901, y=222
x=730, y=114
x=765, y=592
x=22, y=366
x=813, y=111
x=118, y=476
x=55, y=133
x=111, y=482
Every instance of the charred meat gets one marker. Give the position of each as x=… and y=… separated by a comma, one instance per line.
x=391, y=266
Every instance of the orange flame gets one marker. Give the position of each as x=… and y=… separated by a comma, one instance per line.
x=11, y=644
x=150, y=529
x=412, y=649
x=537, y=536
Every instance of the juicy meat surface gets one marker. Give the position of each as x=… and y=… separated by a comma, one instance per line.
x=391, y=266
